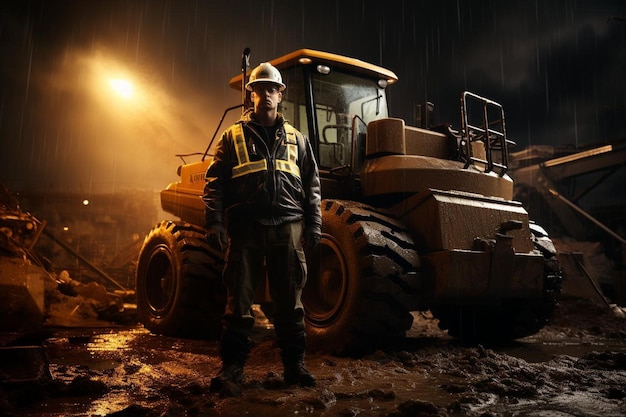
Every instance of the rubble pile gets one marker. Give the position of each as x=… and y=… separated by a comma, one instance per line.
x=72, y=303
x=33, y=295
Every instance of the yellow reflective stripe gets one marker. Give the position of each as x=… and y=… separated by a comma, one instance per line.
x=291, y=133
x=249, y=168
x=292, y=144
x=245, y=166
x=286, y=166
x=292, y=153
x=240, y=144
x=290, y=165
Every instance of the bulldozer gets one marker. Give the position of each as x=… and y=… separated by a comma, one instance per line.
x=413, y=219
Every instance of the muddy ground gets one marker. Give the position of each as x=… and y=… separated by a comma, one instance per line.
x=576, y=366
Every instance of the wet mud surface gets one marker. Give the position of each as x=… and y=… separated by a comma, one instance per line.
x=576, y=366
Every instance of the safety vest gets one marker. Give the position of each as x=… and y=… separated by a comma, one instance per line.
x=245, y=166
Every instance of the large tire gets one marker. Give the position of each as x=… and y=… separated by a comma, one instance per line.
x=179, y=285
x=511, y=319
x=362, y=281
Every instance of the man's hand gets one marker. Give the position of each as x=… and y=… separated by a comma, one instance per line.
x=311, y=238
x=216, y=236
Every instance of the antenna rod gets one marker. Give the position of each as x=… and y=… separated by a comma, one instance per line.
x=245, y=64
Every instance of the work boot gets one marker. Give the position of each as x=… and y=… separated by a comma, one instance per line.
x=231, y=373
x=292, y=342
x=297, y=374
x=234, y=349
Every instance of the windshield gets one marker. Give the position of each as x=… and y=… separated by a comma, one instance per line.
x=343, y=103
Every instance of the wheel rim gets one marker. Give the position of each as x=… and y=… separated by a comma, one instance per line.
x=327, y=284
x=160, y=281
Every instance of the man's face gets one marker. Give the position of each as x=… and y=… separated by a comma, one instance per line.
x=266, y=96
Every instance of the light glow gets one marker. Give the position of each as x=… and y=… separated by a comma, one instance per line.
x=122, y=87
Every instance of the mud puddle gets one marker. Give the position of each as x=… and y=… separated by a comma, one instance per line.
x=574, y=367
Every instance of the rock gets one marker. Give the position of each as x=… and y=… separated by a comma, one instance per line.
x=230, y=389
x=133, y=410
x=419, y=408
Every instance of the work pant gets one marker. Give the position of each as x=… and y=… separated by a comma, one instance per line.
x=255, y=249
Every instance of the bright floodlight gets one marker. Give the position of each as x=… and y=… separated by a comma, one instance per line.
x=122, y=87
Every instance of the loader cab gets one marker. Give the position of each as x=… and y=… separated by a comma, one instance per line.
x=332, y=107
x=331, y=99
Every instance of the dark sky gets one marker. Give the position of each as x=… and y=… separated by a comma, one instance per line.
x=557, y=66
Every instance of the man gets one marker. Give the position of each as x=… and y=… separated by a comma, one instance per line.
x=263, y=191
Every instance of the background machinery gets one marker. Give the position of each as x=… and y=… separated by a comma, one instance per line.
x=578, y=193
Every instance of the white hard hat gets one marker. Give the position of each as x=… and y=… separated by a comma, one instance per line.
x=265, y=72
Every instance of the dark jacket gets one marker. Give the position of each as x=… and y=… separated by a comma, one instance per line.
x=269, y=184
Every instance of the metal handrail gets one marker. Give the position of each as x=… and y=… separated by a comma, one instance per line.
x=491, y=133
